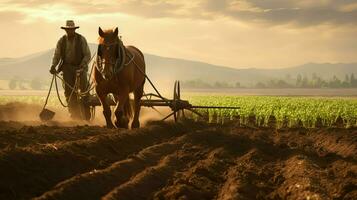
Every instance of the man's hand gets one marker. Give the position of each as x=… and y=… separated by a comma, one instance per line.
x=53, y=70
x=81, y=70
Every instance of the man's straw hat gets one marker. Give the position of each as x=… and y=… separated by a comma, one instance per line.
x=69, y=25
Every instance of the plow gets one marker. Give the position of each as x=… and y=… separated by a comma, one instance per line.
x=178, y=106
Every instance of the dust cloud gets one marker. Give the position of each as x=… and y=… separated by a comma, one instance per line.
x=28, y=114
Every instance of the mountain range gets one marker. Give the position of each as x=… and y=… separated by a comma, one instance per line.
x=163, y=69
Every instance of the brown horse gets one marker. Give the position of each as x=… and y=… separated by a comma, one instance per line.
x=110, y=78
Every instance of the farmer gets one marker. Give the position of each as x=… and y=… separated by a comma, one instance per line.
x=72, y=56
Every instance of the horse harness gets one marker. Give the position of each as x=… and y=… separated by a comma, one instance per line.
x=119, y=64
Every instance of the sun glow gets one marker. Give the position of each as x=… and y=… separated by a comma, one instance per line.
x=53, y=13
x=49, y=12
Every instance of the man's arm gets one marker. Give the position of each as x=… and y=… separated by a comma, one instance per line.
x=86, y=54
x=57, y=55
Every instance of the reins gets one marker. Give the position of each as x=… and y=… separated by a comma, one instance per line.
x=74, y=89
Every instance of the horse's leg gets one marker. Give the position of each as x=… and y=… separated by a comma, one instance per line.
x=121, y=120
x=106, y=110
x=138, y=93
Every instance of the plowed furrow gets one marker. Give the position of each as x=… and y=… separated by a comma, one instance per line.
x=305, y=179
x=201, y=181
x=146, y=183
x=43, y=168
x=301, y=177
x=197, y=147
x=187, y=160
x=249, y=178
x=94, y=184
x=341, y=143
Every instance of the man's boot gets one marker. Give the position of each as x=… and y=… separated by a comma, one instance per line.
x=73, y=108
x=86, y=114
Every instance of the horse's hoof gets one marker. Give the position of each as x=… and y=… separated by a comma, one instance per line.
x=121, y=125
x=110, y=126
x=135, y=125
x=117, y=124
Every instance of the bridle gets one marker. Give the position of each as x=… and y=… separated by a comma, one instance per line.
x=101, y=61
x=110, y=44
x=113, y=63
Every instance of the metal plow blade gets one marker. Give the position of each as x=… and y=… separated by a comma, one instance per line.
x=46, y=115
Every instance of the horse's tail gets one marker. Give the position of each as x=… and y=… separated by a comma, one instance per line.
x=128, y=111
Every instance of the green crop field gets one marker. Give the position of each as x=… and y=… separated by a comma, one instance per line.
x=306, y=112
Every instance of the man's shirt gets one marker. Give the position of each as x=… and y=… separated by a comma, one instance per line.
x=70, y=52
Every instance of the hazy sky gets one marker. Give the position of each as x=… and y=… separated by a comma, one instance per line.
x=236, y=33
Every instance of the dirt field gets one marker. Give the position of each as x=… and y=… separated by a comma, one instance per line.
x=187, y=160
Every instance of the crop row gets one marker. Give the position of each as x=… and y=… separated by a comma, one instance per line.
x=283, y=111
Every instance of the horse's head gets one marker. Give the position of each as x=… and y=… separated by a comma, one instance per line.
x=107, y=52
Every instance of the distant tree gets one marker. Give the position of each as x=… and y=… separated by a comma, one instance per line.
x=313, y=83
x=320, y=83
x=260, y=85
x=270, y=84
x=335, y=82
x=353, y=81
x=12, y=84
x=198, y=83
x=346, y=82
x=305, y=82
x=324, y=83
x=237, y=85
x=298, y=80
x=314, y=76
x=221, y=84
x=347, y=78
x=282, y=84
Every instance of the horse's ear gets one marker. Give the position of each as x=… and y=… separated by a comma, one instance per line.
x=100, y=32
x=116, y=31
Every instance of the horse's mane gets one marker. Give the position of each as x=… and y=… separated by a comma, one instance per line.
x=101, y=40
